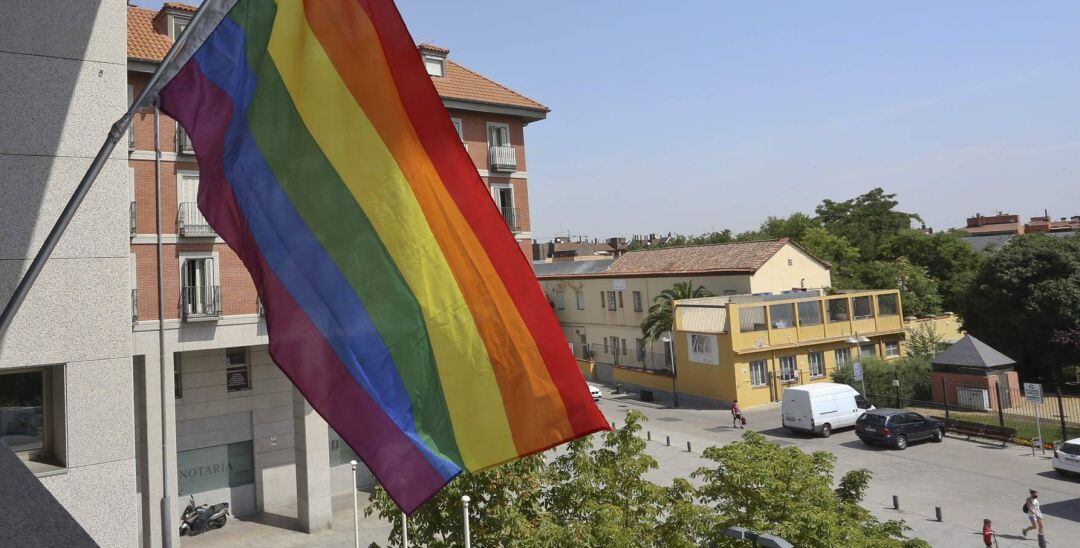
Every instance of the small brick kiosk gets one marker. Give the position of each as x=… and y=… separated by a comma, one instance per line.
x=966, y=374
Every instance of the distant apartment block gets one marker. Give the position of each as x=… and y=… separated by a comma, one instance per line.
x=564, y=248
x=985, y=231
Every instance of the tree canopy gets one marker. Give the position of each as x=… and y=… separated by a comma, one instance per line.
x=583, y=495
x=662, y=312
x=1024, y=300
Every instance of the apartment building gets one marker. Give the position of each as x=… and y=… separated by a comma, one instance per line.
x=750, y=347
x=601, y=303
x=237, y=430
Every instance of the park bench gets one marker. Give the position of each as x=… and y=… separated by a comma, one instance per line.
x=978, y=429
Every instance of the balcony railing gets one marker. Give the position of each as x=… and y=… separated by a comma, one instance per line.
x=183, y=142
x=190, y=221
x=134, y=305
x=510, y=215
x=502, y=158
x=200, y=302
x=131, y=218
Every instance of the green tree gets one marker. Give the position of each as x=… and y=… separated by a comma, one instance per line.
x=945, y=257
x=661, y=314
x=924, y=342
x=878, y=375
x=793, y=226
x=1022, y=296
x=782, y=490
x=918, y=291
x=866, y=221
x=831, y=248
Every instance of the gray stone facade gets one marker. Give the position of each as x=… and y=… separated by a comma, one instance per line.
x=64, y=76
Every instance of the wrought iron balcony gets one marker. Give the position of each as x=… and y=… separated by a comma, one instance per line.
x=502, y=158
x=183, y=142
x=134, y=305
x=510, y=215
x=131, y=218
x=200, y=302
x=190, y=221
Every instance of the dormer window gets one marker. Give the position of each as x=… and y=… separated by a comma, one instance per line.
x=177, y=26
x=434, y=65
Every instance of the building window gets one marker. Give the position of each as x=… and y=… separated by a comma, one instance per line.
x=611, y=301
x=237, y=369
x=23, y=406
x=787, y=368
x=603, y=299
x=457, y=128
x=623, y=347
x=434, y=65
x=838, y=310
x=887, y=305
x=868, y=350
x=752, y=318
x=200, y=296
x=498, y=135
x=817, y=364
x=782, y=315
x=620, y=300
x=640, y=343
x=789, y=263
x=340, y=452
x=759, y=373
x=638, y=306
x=861, y=307
x=809, y=313
x=560, y=300
x=843, y=356
x=892, y=349
x=178, y=383
x=580, y=295
x=217, y=467
x=615, y=347
x=606, y=349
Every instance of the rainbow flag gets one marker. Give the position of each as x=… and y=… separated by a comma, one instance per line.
x=396, y=299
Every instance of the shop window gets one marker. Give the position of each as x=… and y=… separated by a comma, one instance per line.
x=217, y=467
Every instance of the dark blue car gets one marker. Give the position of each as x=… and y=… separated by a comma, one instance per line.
x=897, y=427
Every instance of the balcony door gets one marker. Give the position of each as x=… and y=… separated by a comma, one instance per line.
x=498, y=135
x=199, y=286
x=504, y=199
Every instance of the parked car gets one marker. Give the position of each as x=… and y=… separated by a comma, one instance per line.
x=1067, y=457
x=822, y=407
x=897, y=427
x=595, y=391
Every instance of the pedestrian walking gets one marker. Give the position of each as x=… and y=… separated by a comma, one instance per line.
x=737, y=419
x=989, y=535
x=1034, y=513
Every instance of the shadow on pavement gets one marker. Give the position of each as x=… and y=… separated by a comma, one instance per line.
x=271, y=519
x=1066, y=509
x=1051, y=474
x=858, y=444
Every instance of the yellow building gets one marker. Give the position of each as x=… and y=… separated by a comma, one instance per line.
x=601, y=304
x=750, y=347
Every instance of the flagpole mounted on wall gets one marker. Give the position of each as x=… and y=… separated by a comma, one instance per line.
x=116, y=132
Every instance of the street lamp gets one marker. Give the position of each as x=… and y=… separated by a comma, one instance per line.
x=667, y=340
x=857, y=342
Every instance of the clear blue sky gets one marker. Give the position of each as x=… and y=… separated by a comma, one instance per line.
x=689, y=116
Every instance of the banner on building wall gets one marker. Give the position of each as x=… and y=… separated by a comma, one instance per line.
x=702, y=348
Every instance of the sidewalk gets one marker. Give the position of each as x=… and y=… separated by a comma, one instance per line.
x=279, y=529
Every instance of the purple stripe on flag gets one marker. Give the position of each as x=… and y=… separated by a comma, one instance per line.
x=296, y=345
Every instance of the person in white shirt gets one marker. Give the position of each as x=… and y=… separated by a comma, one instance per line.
x=1034, y=513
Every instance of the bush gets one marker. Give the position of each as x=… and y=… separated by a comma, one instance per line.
x=878, y=374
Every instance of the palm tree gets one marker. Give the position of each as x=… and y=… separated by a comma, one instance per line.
x=661, y=313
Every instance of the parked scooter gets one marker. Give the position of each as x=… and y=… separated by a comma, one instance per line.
x=202, y=518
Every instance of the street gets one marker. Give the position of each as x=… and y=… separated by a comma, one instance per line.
x=969, y=480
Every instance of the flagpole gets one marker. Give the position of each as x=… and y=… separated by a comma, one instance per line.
x=115, y=133
x=166, y=501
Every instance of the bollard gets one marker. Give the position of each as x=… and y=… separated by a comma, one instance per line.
x=895, y=502
x=668, y=440
x=937, y=512
x=688, y=450
x=648, y=435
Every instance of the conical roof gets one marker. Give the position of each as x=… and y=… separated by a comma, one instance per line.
x=971, y=352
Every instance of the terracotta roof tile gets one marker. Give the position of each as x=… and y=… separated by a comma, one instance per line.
x=465, y=85
x=458, y=82
x=143, y=42
x=733, y=257
x=433, y=48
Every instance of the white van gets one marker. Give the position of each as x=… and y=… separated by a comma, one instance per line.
x=822, y=407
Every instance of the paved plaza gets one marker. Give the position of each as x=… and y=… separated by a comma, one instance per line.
x=969, y=480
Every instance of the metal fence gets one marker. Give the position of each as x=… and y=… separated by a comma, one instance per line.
x=993, y=403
